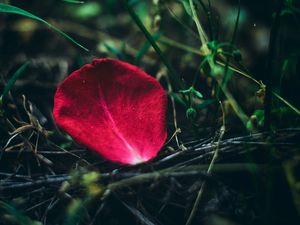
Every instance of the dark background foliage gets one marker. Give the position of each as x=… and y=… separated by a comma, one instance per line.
x=45, y=177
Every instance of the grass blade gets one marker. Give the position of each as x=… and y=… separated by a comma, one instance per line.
x=174, y=76
x=13, y=79
x=144, y=49
x=6, y=8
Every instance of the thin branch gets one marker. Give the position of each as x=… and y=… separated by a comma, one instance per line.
x=209, y=170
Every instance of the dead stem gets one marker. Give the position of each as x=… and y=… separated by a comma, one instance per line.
x=163, y=73
x=209, y=170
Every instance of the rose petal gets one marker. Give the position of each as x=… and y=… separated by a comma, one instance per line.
x=115, y=109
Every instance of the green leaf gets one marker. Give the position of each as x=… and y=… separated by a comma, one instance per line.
x=185, y=91
x=178, y=99
x=249, y=125
x=6, y=8
x=256, y=121
x=193, y=91
x=191, y=113
x=13, y=79
x=260, y=116
x=217, y=70
x=197, y=94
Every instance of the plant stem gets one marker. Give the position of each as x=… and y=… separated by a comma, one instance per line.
x=209, y=170
x=202, y=35
x=209, y=19
x=193, y=170
x=269, y=81
x=226, y=76
x=225, y=79
x=175, y=78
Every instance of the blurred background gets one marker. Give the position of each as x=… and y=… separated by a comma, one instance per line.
x=107, y=30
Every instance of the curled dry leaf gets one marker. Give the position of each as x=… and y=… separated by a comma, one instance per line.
x=115, y=109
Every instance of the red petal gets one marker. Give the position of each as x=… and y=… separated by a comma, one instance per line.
x=115, y=109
